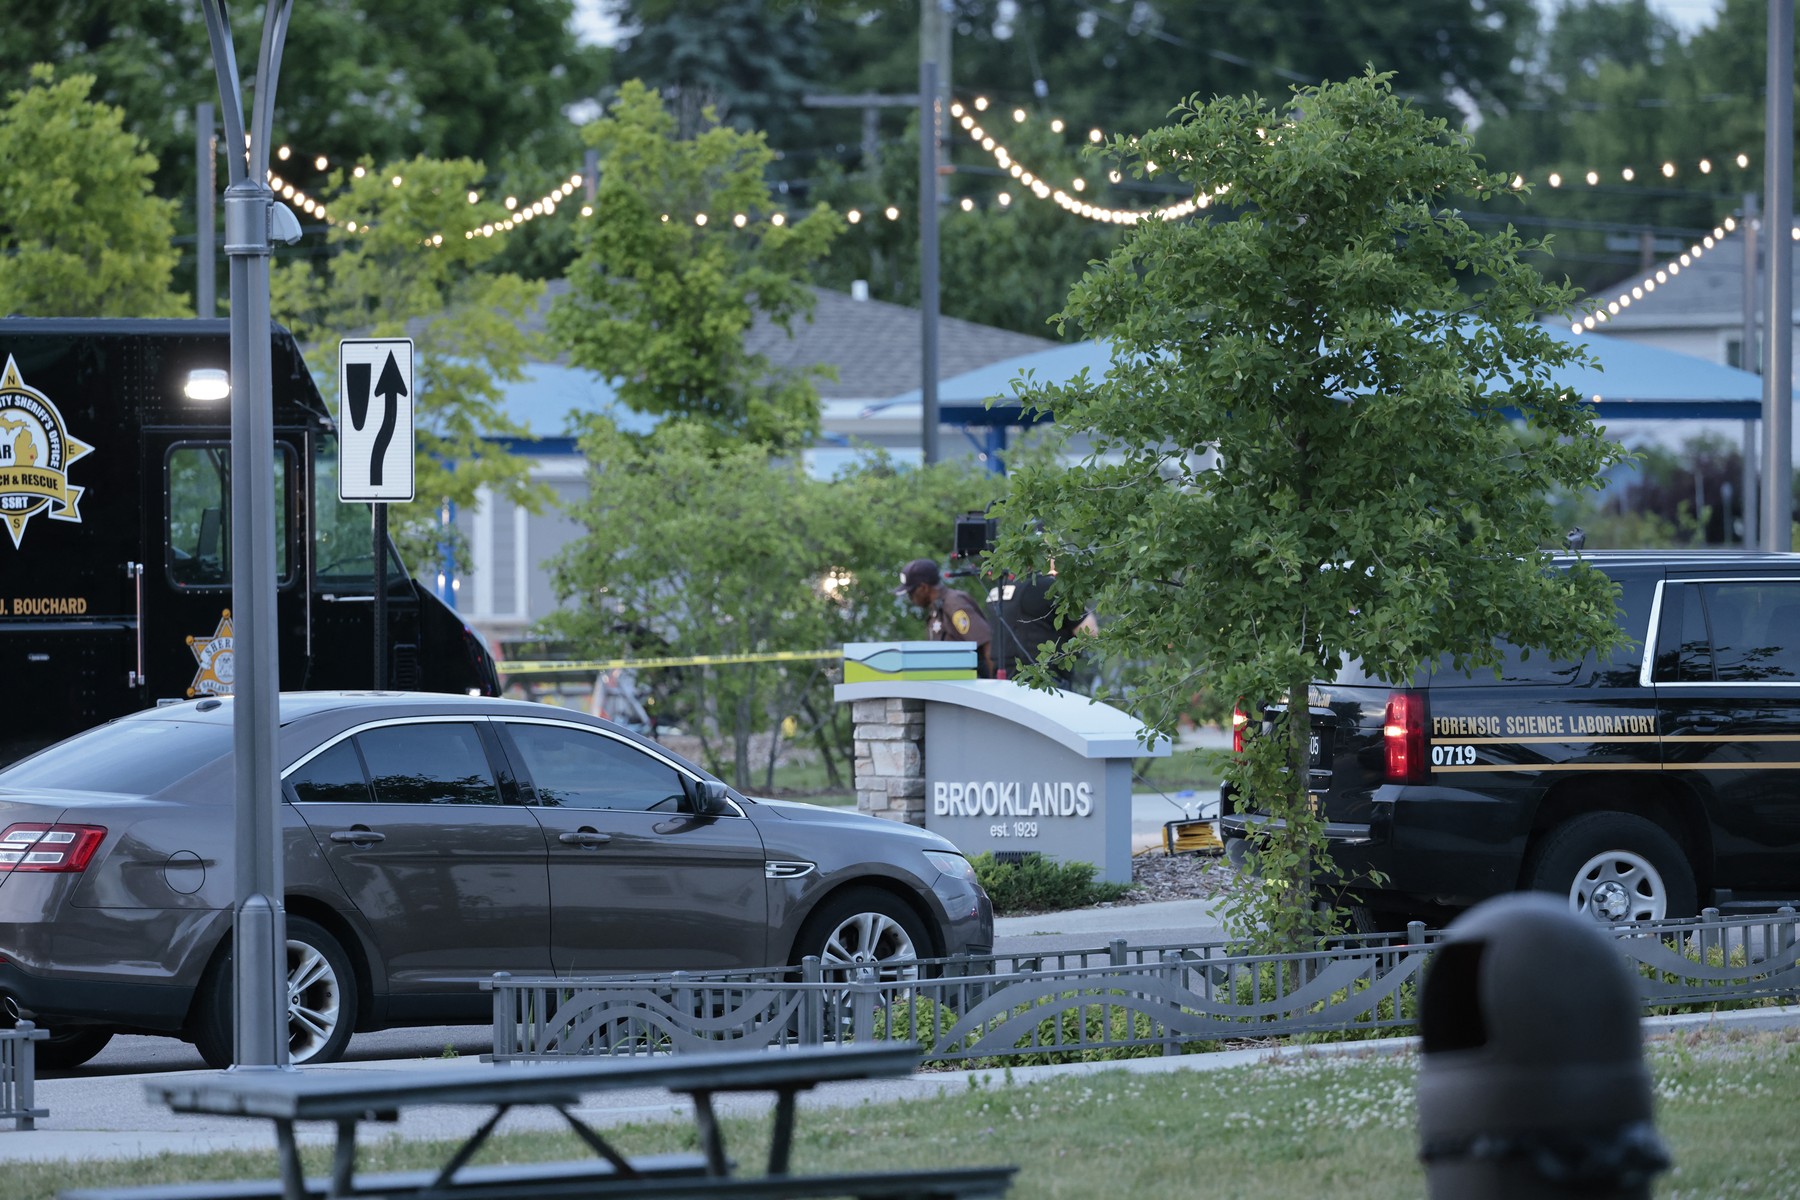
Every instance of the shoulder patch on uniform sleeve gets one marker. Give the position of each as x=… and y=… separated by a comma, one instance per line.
x=960, y=619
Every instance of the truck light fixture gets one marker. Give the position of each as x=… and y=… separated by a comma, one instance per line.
x=207, y=384
x=1403, y=732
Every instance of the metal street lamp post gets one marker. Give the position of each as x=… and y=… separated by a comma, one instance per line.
x=1778, y=306
x=253, y=218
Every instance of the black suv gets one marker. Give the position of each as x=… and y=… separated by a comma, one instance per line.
x=1645, y=785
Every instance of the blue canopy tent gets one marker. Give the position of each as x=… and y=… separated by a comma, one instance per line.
x=1630, y=382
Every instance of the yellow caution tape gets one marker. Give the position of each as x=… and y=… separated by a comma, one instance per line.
x=638, y=664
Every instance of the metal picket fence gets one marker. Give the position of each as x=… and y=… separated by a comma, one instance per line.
x=18, y=1074
x=1105, y=1002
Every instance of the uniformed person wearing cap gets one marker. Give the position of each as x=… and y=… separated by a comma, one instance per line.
x=951, y=616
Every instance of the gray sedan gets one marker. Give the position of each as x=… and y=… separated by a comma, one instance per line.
x=430, y=841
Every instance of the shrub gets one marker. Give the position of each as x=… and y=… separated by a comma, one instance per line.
x=1036, y=884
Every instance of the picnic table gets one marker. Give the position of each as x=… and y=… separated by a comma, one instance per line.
x=348, y=1098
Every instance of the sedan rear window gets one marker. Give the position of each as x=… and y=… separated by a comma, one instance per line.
x=577, y=768
x=428, y=764
x=134, y=757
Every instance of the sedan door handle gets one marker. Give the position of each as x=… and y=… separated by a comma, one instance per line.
x=584, y=837
x=357, y=837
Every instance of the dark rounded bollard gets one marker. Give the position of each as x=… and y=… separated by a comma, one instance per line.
x=1533, y=1082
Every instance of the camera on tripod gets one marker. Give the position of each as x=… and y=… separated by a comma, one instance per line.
x=975, y=533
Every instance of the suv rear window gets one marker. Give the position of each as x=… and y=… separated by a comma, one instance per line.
x=1731, y=631
x=134, y=757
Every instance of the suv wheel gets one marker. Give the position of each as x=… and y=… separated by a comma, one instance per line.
x=1614, y=867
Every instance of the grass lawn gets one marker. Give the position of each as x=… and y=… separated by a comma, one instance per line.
x=1183, y=769
x=805, y=779
x=1337, y=1127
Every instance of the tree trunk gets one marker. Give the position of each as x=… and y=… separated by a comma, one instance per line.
x=822, y=740
x=1299, y=757
x=740, y=742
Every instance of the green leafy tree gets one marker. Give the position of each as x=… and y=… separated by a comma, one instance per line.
x=667, y=281
x=1111, y=62
x=1301, y=452
x=360, y=81
x=1613, y=90
x=724, y=550
x=405, y=266
x=1007, y=265
x=81, y=235
x=749, y=61
x=1104, y=65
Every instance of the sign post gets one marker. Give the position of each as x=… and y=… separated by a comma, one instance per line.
x=375, y=455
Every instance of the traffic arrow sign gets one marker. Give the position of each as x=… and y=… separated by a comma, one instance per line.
x=375, y=427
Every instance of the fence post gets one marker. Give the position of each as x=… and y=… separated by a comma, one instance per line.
x=1712, y=936
x=683, y=1001
x=863, y=994
x=24, y=1074
x=1172, y=968
x=1115, y=952
x=1783, y=939
x=812, y=1002
x=506, y=1024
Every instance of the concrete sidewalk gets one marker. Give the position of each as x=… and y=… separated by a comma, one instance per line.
x=1140, y=923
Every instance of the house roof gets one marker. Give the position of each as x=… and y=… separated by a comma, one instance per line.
x=874, y=346
x=1708, y=292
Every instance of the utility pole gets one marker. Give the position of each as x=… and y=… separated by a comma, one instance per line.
x=206, y=182
x=1778, y=259
x=253, y=220
x=934, y=76
x=933, y=102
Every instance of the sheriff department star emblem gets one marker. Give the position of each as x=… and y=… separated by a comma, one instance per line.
x=212, y=651
x=35, y=453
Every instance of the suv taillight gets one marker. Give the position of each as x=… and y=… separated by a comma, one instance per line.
x=1403, y=733
x=39, y=847
x=1239, y=719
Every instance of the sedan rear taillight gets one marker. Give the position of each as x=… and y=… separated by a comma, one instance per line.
x=1239, y=719
x=39, y=847
x=1403, y=732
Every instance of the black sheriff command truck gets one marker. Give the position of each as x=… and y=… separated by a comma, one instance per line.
x=1660, y=779
x=115, y=534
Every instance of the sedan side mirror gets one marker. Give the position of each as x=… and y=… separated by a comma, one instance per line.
x=711, y=798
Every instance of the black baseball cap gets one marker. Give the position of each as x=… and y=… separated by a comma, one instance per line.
x=919, y=570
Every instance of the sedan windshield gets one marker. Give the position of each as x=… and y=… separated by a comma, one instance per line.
x=137, y=757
